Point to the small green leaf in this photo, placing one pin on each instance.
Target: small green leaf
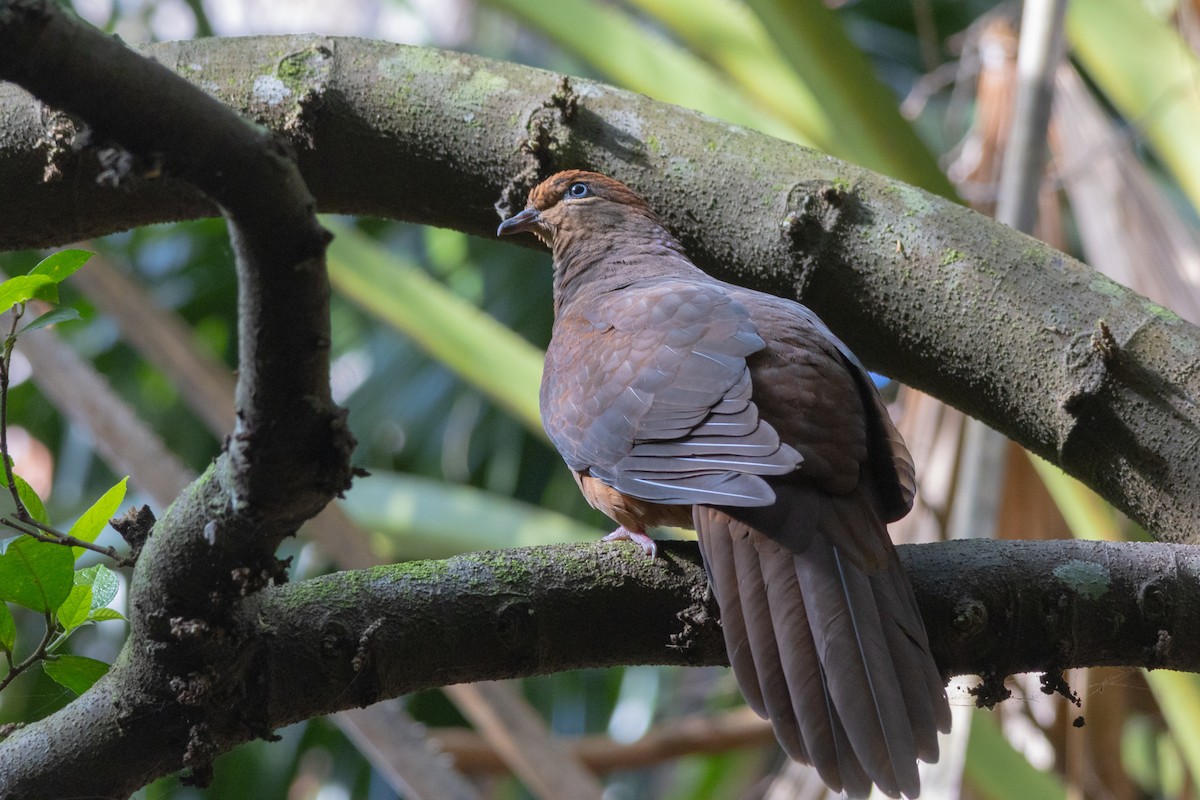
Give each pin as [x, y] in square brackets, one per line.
[77, 673]
[37, 575]
[29, 498]
[53, 317]
[22, 288]
[75, 609]
[59, 266]
[104, 615]
[8, 629]
[103, 581]
[96, 518]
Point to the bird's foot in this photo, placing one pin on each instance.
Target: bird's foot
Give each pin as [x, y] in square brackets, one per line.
[648, 545]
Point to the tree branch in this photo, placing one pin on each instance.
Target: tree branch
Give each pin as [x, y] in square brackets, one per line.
[353, 638]
[183, 668]
[992, 608]
[1074, 367]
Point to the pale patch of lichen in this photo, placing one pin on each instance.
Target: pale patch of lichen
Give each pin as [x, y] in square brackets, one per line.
[951, 256]
[1106, 286]
[1086, 578]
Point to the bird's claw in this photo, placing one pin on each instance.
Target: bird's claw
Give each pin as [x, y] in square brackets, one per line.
[648, 545]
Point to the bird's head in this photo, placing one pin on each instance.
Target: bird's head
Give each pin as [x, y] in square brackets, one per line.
[574, 202]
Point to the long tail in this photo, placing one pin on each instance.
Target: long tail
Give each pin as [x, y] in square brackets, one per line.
[826, 641]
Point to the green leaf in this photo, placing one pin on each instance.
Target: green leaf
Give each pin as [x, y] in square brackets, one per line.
[59, 266]
[8, 629]
[728, 36]
[22, 288]
[77, 673]
[103, 582]
[52, 317]
[29, 498]
[104, 615]
[75, 609]
[96, 518]
[36, 575]
[998, 771]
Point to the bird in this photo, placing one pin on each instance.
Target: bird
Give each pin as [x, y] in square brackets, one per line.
[679, 399]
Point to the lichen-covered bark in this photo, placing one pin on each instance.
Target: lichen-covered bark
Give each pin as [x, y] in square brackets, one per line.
[352, 638]
[1071, 365]
[991, 607]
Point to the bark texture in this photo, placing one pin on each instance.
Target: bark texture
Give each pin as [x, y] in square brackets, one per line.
[352, 638]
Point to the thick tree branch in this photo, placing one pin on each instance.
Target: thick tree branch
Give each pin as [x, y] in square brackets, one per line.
[354, 638]
[182, 671]
[991, 607]
[1071, 365]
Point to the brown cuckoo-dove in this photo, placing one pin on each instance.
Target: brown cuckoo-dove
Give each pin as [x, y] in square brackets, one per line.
[678, 399]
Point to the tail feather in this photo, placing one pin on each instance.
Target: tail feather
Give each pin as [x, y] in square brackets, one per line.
[897, 770]
[767, 672]
[833, 651]
[924, 691]
[805, 681]
[855, 781]
[717, 553]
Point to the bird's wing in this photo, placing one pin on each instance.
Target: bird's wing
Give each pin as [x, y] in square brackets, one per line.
[822, 401]
[648, 390]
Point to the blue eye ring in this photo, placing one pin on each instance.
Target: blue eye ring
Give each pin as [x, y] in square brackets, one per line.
[579, 190]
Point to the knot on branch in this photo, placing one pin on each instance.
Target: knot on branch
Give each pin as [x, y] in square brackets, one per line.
[363, 654]
[185, 629]
[816, 215]
[970, 617]
[1089, 359]
[1160, 653]
[192, 689]
[366, 681]
[201, 750]
[694, 619]
[249, 580]
[305, 75]
[515, 625]
[549, 126]
[287, 474]
[990, 691]
[135, 527]
[1154, 601]
[548, 131]
[59, 144]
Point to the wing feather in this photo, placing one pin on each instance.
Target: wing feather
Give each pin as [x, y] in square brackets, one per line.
[649, 391]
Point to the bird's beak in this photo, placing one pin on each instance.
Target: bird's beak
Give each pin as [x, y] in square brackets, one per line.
[517, 223]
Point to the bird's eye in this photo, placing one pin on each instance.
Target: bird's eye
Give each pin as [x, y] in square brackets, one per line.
[578, 190]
